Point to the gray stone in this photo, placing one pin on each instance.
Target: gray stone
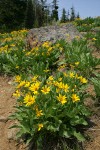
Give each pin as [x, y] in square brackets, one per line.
[96, 29]
[53, 33]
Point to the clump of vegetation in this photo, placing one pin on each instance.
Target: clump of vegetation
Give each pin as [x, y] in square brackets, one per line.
[85, 25]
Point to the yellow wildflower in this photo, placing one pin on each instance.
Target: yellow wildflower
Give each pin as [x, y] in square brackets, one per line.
[51, 78]
[77, 37]
[65, 74]
[57, 45]
[83, 80]
[75, 98]
[22, 83]
[48, 82]
[46, 44]
[17, 78]
[35, 78]
[39, 113]
[59, 79]
[17, 67]
[94, 39]
[16, 94]
[55, 83]
[73, 90]
[71, 75]
[76, 76]
[61, 49]
[77, 63]
[35, 87]
[29, 100]
[27, 84]
[62, 66]
[66, 87]
[60, 85]
[62, 99]
[57, 90]
[28, 53]
[40, 126]
[47, 70]
[50, 49]
[45, 89]
[12, 45]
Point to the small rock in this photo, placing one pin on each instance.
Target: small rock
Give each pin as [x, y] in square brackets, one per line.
[10, 82]
[11, 135]
[3, 119]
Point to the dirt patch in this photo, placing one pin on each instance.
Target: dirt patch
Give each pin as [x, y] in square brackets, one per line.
[93, 133]
[7, 103]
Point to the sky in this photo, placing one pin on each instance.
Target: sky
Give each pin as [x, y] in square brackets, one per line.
[86, 8]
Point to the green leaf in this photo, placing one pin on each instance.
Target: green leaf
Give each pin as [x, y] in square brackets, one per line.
[66, 134]
[62, 62]
[52, 128]
[19, 134]
[78, 120]
[79, 136]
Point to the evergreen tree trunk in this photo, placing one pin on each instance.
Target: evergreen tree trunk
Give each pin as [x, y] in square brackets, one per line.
[55, 10]
[30, 16]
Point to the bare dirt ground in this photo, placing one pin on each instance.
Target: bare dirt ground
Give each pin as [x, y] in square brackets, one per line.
[7, 103]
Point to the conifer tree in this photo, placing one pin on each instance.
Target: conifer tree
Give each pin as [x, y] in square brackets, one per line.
[55, 10]
[29, 18]
[72, 14]
[68, 15]
[78, 15]
[64, 16]
[41, 11]
[12, 13]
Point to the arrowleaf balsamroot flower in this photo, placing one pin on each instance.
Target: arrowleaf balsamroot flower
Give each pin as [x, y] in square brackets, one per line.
[21, 84]
[27, 84]
[51, 78]
[75, 98]
[71, 75]
[40, 126]
[39, 113]
[45, 89]
[16, 94]
[94, 39]
[17, 78]
[63, 86]
[29, 100]
[34, 79]
[66, 87]
[77, 63]
[35, 87]
[83, 80]
[62, 99]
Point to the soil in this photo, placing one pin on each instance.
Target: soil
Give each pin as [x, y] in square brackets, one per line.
[7, 102]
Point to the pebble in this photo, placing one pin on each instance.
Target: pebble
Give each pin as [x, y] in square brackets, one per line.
[11, 134]
[3, 119]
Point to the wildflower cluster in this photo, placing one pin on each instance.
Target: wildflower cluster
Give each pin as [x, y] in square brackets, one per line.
[58, 97]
